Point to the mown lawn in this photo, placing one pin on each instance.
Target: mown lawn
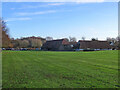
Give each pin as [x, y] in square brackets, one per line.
[40, 69]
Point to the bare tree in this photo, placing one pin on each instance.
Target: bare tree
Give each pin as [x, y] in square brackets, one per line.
[6, 42]
[93, 39]
[118, 38]
[83, 38]
[15, 43]
[24, 43]
[109, 39]
[114, 42]
[36, 43]
[49, 38]
[72, 39]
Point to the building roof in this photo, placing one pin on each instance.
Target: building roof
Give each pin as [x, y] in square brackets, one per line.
[84, 44]
[55, 43]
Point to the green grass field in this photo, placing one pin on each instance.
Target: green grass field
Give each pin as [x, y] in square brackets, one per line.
[40, 69]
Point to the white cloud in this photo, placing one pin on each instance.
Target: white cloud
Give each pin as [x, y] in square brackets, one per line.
[34, 13]
[38, 6]
[81, 1]
[55, 4]
[12, 8]
[17, 19]
[31, 6]
[52, 0]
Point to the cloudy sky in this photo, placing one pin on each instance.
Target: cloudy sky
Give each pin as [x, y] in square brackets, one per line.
[84, 1]
[62, 19]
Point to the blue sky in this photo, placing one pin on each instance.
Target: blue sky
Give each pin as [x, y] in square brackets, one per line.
[61, 20]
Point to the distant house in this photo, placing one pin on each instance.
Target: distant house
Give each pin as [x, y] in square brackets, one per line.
[57, 45]
[94, 44]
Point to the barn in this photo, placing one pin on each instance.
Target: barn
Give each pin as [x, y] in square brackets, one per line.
[94, 44]
[57, 45]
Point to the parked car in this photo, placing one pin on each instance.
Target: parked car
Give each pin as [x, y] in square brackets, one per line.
[8, 49]
[3, 49]
[78, 49]
[23, 49]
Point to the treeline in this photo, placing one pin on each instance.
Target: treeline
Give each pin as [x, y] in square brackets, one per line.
[29, 42]
[37, 42]
[115, 42]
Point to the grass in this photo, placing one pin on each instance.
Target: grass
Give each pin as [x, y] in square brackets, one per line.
[39, 69]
